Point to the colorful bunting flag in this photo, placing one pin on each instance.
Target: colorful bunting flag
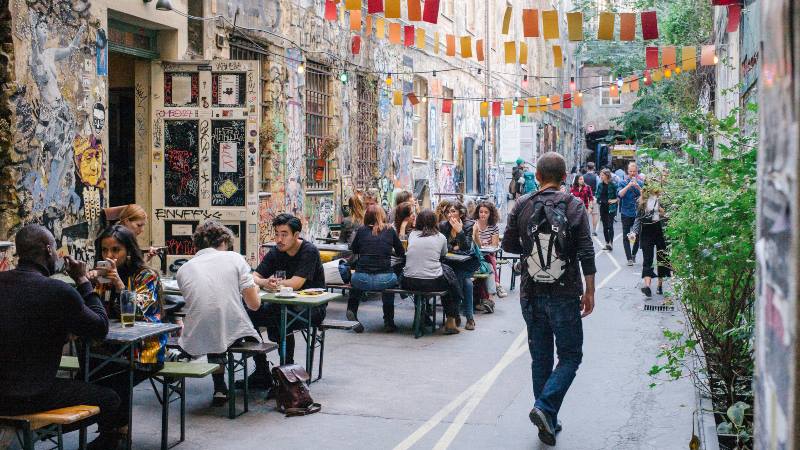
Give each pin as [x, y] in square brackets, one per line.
[368, 26]
[651, 57]
[414, 11]
[511, 52]
[657, 75]
[605, 27]
[352, 5]
[392, 9]
[555, 102]
[724, 2]
[451, 45]
[374, 6]
[634, 84]
[379, 28]
[530, 22]
[523, 53]
[689, 58]
[431, 12]
[484, 107]
[575, 26]
[668, 57]
[550, 24]
[567, 101]
[520, 109]
[397, 98]
[355, 46]
[421, 38]
[508, 108]
[577, 99]
[330, 11]
[412, 97]
[533, 105]
[649, 25]
[558, 59]
[409, 32]
[395, 33]
[626, 86]
[436, 43]
[479, 49]
[627, 26]
[466, 47]
[613, 90]
[544, 103]
[496, 109]
[355, 20]
[447, 106]
[707, 55]
[506, 20]
[734, 16]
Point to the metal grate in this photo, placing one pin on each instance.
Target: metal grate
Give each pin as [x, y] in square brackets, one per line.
[245, 51]
[659, 308]
[367, 133]
[319, 173]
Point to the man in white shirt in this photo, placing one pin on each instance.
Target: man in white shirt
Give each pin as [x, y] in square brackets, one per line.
[213, 284]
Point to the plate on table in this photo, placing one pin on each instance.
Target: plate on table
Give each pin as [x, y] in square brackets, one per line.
[289, 295]
[312, 292]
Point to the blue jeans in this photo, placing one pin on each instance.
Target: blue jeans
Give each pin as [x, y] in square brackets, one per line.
[467, 303]
[548, 319]
[373, 282]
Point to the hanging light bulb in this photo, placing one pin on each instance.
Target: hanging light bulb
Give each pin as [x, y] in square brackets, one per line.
[301, 68]
[424, 99]
[667, 73]
[677, 70]
[479, 71]
[516, 102]
[434, 74]
[620, 82]
[525, 81]
[644, 79]
[571, 83]
[389, 80]
[716, 60]
[580, 94]
[343, 77]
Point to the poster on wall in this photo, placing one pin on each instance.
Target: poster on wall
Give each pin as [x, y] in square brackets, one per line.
[228, 89]
[181, 89]
[227, 163]
[101, 49]
[178, 237]
[181, 167]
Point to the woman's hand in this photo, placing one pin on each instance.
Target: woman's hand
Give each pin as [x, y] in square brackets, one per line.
[113, 275]
[457, 225]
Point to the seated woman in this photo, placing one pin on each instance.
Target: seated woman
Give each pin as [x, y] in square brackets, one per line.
[404, 219]
[356, 218]
[373, 245]
[134, 218]
[117, 245]
[486, 233]
[458, 230]
[213, 284]
[424, 270]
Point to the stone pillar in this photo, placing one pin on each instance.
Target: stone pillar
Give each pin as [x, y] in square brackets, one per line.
[776, 379]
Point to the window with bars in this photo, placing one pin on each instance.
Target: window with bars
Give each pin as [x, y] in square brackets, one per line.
[319, 173]
[367, 133]
[605, 92]
[246, 52]
[421, 119]
[447, 130]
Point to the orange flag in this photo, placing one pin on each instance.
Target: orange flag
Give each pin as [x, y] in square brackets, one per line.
[627, 26]
[550, 24]
[352, 5]
[707, 55]
[511, 52]
[506, 20]
[412, 97]
[577, 100]
[392, 10]
[484, 109]
[605, 27]
[414, 11]
[533, 105]
[530, 22]
[479, 49]
[613, 90]
[555, 102]
[575, 26]
[355, 20]
[520, 108]
[668, 57]
[689, 58]
[558, 58]
[368, 26]
[395, 33]
[379, 28]
[466, 47]
[634, 84]
[451, 45]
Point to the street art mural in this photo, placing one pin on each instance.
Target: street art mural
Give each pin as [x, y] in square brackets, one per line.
[58, 161]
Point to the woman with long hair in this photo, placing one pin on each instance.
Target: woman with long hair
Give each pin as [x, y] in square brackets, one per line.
[424, 270]
[356, 218]
[607, 200]
[441, 210]
[134, 218]
[373, 244]
[649, 226]
[486, 233]
[404, 218]
[128, 272]
[458, 231]
[582, 191]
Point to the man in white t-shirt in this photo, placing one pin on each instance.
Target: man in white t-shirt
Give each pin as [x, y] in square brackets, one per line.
[213, 284]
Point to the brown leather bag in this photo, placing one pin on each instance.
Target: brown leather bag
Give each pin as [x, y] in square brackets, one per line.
[291, 394]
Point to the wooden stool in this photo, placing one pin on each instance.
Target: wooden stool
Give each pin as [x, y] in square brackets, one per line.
[47, 424]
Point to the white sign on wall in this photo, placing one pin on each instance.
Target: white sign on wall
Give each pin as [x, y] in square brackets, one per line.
[509, 148]
[227, 156]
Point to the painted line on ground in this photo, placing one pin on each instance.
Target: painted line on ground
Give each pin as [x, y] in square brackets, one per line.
[514, 349]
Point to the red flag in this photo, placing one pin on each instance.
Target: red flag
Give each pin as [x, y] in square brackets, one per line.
[409, 36]
[374, 6]
[447, 106]
[649, 25]
[414, 11]
[431, 12]
[330, 10]
[496, 106]
[651, 57]
[356, 45]
[412, 97]
[647, 79]
[567, 99]
[734, 16]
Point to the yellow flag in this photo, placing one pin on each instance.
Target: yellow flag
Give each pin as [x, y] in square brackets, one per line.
[511, 52]
[392, 10]
[352, 5]
[523, 53]
[466, 47]
[398, 98]
[689, 58]
[508, 108]
[544, 103]
[379, 30]
[420, 38]
[575, 26]
[484, 109]
[558, 59]
[550, 24]
[506, 20]
[657, 75]
[533, 105]
[436, 43]
[605, 28]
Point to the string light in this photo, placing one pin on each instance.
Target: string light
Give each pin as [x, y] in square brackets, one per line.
[620, 82]
[571, 83]
[343, 77]
[667, 73]
[301, 68]
[716, 60]
[677, 70]
[434, 74]
[424, 99]
[389, 80]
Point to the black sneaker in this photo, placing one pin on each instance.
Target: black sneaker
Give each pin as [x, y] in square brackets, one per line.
[558, 427]
[630, 262]
[220, 398]
[660, 290]
[594, 233]
[352, 317]
[646, 291]
[389, 327]
[546, 432]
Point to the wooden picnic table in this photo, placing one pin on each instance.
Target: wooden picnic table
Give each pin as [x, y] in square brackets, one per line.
[290, 316]
[456, 257]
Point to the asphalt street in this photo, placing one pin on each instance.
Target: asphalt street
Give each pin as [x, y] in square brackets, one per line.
[472, 390]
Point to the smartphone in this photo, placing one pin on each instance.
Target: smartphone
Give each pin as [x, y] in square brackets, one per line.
[102, 269]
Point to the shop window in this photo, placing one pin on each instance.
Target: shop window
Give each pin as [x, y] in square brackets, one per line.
[367, 133]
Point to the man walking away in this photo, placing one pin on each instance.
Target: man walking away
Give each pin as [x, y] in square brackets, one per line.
[629, 193]
[552, 297]
[591, 180]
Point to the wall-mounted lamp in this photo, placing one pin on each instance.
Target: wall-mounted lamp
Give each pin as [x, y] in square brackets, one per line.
[163, 5]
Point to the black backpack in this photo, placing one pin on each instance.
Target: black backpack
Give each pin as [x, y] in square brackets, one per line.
[549, 233]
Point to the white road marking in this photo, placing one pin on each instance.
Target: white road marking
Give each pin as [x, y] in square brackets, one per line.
[513, 352]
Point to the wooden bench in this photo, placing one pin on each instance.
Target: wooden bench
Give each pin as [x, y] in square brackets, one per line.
[46, 425]
[245, 350]
[343, 288]
[422, 308]
[319, 338]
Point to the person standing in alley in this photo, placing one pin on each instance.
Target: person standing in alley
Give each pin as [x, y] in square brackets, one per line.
[517, 184]
[591, 180]
[629, 193]
[552, 296]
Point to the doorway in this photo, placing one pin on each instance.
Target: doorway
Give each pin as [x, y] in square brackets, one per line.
[121, 165]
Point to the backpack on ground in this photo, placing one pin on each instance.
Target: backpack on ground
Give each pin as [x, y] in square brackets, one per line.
[548, 231]
[291, 394]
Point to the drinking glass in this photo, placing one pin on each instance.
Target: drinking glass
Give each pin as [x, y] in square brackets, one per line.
[127, 307]
[279, 276]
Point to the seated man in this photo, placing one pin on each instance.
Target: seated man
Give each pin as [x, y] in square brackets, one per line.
[213, 284]
[300, 260]
[40, 314]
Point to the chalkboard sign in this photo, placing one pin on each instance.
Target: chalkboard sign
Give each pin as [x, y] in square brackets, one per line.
[227, 163]
[180, 164]
[178, 237]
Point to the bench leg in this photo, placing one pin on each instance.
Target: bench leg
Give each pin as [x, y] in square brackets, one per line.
[28, 442]
[321, 351]
[231, 387]
[312, 346]
[60, 437]
[417, 316]
[513, 278]
[246, 387]
[182, 387]
[82, 438]
[165, 395]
